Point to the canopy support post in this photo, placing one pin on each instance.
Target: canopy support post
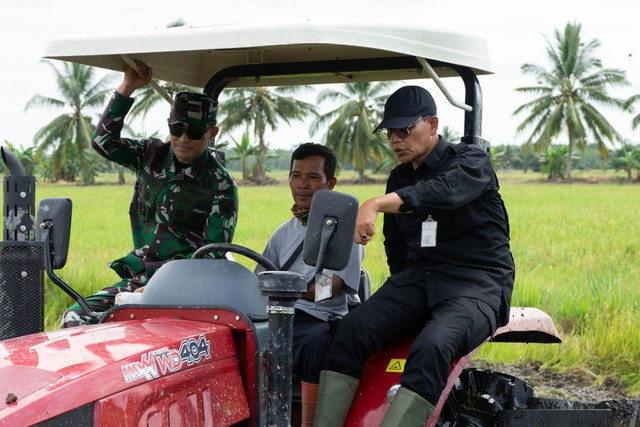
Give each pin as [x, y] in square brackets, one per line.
[441, 85]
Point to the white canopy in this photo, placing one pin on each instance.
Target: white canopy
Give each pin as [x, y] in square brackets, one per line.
[192, 55]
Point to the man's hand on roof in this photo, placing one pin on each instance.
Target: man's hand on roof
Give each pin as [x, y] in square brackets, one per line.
[134, 79]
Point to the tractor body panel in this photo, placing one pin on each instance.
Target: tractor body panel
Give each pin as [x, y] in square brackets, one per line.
[384, 368]
[129, 365]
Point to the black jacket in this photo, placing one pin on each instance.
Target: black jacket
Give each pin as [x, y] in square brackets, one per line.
[458, 188]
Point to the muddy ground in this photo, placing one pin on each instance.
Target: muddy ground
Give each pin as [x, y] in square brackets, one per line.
[575, 385]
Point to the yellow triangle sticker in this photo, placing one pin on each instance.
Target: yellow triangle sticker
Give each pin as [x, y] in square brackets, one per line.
[396, 365]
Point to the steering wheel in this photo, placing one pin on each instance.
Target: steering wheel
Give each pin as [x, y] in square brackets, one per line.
[236, 249]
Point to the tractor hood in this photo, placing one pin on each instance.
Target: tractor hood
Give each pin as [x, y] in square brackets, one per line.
[51, 373]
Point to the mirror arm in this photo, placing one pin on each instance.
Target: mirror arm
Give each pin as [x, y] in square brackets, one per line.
[46, 226]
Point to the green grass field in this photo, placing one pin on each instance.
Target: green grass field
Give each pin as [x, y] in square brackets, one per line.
[576, 247]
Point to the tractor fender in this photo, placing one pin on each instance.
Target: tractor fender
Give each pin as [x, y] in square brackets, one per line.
[382, 371]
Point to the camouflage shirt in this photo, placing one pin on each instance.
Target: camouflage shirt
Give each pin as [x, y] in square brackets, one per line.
[173, 212]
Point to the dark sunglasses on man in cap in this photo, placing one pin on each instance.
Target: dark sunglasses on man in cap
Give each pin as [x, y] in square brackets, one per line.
[401, 133]
[177, 129]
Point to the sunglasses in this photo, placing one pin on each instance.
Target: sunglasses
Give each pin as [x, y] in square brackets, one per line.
[177, 129]
[401, 133]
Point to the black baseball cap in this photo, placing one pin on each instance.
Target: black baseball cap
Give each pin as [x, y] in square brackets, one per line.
[405, 106]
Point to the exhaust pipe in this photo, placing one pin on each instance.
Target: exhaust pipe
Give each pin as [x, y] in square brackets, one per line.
[19, 200]
[12, 162]
[21, 257]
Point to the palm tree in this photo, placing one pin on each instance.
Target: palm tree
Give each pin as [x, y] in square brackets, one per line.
[72, 128]
[243, 150]
[450, 135]
[25, 155]
[147, 97]
[627, 159]
[389, 159]
[554, 161]
[350, 133]
[506, 157]
[567, 94]
[636, 120]
[262, 107]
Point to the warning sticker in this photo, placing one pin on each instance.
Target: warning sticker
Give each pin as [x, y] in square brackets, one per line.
[396, 365]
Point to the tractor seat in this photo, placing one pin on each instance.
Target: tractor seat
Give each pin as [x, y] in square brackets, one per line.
[528, 324]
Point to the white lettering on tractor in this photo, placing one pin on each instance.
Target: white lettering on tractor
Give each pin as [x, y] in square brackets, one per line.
[159, 362]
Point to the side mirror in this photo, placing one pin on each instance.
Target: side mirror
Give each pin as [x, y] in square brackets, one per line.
[330, 228]
[54, 214]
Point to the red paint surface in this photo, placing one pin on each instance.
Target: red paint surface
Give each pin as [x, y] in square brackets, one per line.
[241, 333]
[89, 360]
[208, 395]
[370, 402]
[83, 365]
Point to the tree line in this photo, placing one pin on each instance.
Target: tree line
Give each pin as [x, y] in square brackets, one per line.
[562, 117]
[504, 157]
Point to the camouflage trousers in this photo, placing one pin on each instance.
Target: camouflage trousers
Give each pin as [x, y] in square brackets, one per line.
[101, 301]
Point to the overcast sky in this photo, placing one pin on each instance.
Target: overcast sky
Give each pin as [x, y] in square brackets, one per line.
[514, 30]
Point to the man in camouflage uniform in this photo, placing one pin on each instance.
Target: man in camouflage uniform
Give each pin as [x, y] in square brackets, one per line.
[183, 198]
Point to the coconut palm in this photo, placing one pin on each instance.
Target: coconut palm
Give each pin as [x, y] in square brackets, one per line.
[350, 126]
[262, 108]
[568, 92]
[627, 159]
[449, 134]
[506, 156]
[147, 97]
[73, 127]
[635, 122]
[554, 161]
[243, 150]
[25, 155]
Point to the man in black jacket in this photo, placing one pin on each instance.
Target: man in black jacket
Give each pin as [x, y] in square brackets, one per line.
[447, 243]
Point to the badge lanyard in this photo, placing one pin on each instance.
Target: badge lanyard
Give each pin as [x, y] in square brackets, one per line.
[429, 231]
[323, 287]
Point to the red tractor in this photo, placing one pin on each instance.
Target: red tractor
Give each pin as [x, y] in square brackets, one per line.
[218, 351]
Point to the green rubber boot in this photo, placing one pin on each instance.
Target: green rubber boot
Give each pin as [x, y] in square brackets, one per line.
[335, 395]
[407, 409]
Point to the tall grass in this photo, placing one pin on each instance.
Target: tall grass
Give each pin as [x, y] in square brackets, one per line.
[576, 247]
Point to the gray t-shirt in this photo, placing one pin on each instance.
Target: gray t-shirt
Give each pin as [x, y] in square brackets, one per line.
[282, 245]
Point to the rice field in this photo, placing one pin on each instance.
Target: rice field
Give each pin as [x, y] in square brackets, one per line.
[576, 248]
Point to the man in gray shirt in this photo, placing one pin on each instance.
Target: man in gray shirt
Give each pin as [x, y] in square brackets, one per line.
[312, 168]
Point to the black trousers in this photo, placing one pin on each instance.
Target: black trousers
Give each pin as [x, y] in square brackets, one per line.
[446, 331]
[311, 338]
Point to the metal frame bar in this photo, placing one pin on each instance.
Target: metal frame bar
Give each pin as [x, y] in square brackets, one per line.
[163, 93]
[442, 87]
[473, 97]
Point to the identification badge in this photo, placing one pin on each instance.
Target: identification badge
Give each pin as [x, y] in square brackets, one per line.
[323, 287]
[429, 230]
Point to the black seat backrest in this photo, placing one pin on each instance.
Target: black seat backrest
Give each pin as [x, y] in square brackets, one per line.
[364, 290]
[364, 287]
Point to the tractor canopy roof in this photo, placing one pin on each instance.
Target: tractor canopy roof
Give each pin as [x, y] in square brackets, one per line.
[308, 52]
